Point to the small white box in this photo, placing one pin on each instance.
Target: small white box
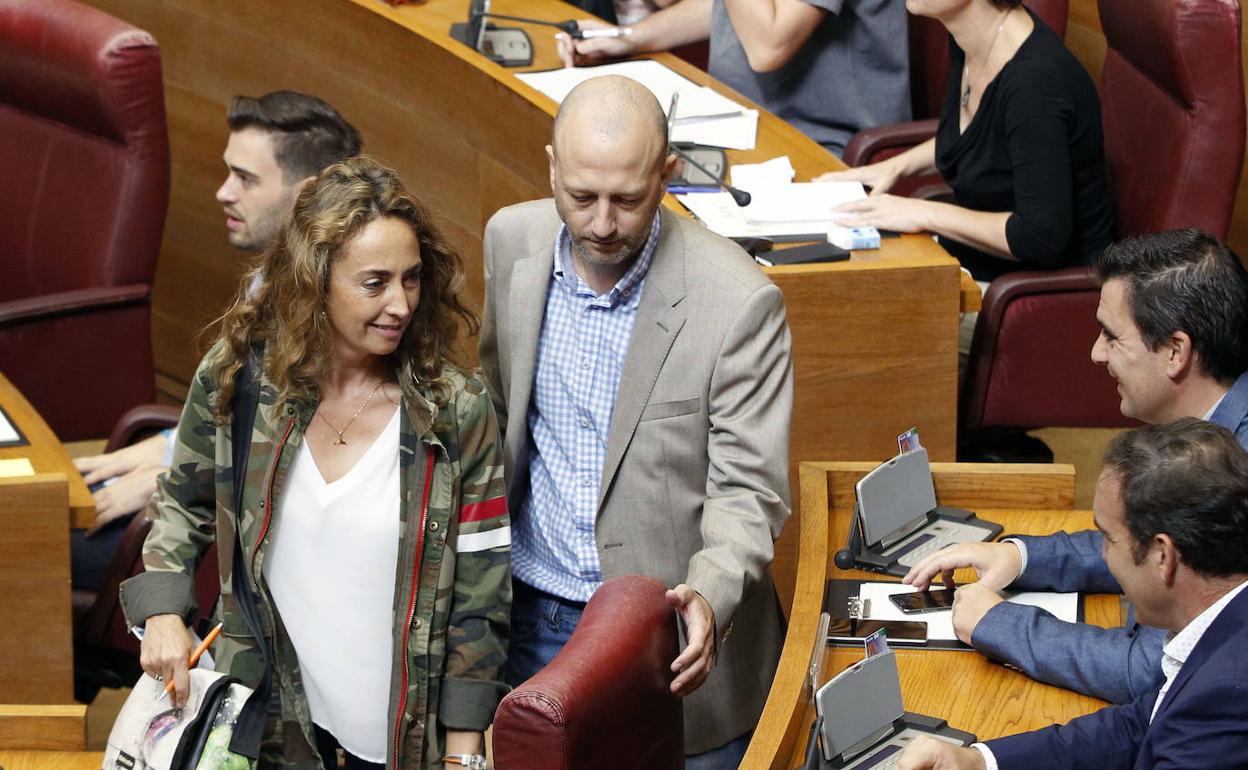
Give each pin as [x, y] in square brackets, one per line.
[853, 238]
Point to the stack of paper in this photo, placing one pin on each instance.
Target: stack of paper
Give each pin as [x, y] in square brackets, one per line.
[779, 211]
[703, 116]
[940, 623]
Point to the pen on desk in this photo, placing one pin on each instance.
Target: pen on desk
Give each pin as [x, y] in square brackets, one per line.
[609, 32]
[200, 650]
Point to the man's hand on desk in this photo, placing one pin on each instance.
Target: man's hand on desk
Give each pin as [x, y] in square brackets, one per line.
[930, 754]
[594, 50]
[970, 603]
[997, 564]
[694, 664]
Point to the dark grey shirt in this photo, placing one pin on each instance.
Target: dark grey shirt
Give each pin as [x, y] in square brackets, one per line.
[853, 72]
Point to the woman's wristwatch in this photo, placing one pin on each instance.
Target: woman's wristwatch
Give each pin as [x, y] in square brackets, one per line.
[470, 761]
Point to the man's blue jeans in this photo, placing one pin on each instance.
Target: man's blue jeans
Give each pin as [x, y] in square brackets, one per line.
[541, 624]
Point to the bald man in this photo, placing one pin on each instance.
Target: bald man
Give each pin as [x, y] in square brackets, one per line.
[641, 371]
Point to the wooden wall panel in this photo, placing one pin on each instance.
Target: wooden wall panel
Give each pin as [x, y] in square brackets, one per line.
[36, 650]
[463, 165]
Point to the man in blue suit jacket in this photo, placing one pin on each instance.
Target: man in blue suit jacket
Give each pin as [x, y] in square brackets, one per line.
[1174, 335]
[1172, 507]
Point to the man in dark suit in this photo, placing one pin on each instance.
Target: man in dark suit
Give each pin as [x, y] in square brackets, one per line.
[1174, 335]
[1172, 507]
[641, 371]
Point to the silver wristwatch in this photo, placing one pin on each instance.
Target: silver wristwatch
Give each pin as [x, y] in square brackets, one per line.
[470, 761]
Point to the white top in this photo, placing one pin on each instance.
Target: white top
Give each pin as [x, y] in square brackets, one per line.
[331, 566]
[1173, 656]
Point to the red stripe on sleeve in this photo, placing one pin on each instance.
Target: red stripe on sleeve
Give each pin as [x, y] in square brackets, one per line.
[483, 510]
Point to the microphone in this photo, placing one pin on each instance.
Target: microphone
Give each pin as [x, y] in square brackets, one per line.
[739, 196]
[570, 26]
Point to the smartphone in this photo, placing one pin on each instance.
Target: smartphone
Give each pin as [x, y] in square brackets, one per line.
[898, 631]
[924, 601]
[798, 255]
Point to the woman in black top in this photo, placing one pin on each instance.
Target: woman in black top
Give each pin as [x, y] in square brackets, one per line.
[1019, 142]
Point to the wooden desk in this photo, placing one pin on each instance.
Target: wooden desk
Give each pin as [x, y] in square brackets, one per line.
[51, 760]
[45, 452]
[36, 628]
[988, 700]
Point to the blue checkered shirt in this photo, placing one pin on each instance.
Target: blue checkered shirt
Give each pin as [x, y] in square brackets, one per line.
[580, 357]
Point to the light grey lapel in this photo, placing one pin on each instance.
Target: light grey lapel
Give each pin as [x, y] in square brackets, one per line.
[526, 307]
[659, 319]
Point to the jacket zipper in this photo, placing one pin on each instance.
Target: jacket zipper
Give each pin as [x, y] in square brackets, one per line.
[411, 603]
[268, 501]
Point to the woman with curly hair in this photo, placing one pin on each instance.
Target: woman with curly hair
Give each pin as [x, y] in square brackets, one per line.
[373, 522]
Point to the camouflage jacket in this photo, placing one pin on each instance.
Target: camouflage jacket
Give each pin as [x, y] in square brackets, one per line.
[451, 605]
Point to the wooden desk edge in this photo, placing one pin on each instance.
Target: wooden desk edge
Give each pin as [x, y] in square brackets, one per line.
[52, 457]
[52, 727]
[781, 725]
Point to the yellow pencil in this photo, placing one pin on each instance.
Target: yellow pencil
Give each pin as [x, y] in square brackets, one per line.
[200, 650]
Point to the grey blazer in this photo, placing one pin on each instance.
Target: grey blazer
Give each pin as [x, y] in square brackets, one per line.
[695, 480]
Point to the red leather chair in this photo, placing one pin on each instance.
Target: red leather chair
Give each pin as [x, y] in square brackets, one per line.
[603, 702]
[929, 74]
[1172, 98]
[85, 151]
[105, 652]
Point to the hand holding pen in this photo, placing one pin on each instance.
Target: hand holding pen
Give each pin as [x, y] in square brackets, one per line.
[597, 40]
[199, 651]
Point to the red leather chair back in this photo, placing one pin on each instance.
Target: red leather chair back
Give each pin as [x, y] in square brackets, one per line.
[1029, 364]
[84, 148]
[1172, 96]
[929, 55]
[603, 702]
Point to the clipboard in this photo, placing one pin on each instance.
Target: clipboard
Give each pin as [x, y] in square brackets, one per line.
[840, 600]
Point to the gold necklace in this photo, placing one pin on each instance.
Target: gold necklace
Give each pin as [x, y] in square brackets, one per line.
[358, 412]
[966, 76]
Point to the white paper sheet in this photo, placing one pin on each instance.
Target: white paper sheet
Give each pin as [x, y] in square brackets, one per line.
[940, 624]
[8, 433]
[739, 132]
[695, 100]
[803, 202]
[722, 215]
[775, 171]
[703, 116]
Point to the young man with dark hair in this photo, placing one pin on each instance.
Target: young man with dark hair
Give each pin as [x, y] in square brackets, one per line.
[1172, 508]
[277, 143]
[1174, 334]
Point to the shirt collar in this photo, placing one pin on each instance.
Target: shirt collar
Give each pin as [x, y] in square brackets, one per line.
[1209, 414]
[1174, 654]
[624, 288]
